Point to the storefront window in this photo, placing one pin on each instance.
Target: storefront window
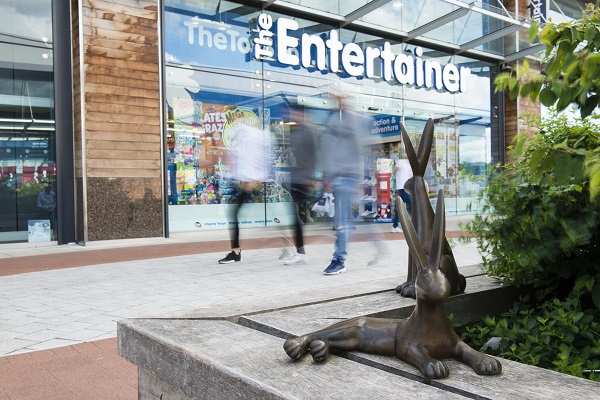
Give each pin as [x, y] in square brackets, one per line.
[27, 136]
[214, 82]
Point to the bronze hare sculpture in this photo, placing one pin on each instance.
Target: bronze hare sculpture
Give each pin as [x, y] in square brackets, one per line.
[422, 216]
[424, 338]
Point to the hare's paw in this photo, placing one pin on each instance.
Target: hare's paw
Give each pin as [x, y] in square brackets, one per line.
[319, 350]
[435, 369]
[409, 291]
[487, 366]
[296, 347]
[401, 287]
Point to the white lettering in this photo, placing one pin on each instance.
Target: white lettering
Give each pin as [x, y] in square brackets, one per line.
[388, 57]
[450, 77]
[316, 51]
[335, 46]
[233, 38]
[464, 72]
[353, 59]
[433, 74]
[419, 73]
[191, 25]
[243, 45]
[284, 41]
[404, 69]
[220, 41]
[265, 21]
[263, 44]
[202, 34]
[308, 44]
[371, 53]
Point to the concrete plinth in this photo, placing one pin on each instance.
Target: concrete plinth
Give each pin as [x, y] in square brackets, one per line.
[241, 356]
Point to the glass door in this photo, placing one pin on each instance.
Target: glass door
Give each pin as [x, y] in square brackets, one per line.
[27, 133]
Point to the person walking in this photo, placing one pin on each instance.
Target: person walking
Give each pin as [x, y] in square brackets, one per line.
[252, 150]
[302, 143]
[343, 167]
[403, 173]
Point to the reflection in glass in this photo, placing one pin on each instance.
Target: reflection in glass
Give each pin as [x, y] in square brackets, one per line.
[208, 89]
[27, 156]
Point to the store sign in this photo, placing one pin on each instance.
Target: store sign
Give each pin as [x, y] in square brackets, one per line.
[385, 125]
[538, 10]
[275, 41]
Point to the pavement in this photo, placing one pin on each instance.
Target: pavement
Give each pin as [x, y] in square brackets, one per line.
[60, 304]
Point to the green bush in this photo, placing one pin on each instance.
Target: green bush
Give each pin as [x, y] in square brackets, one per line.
[539, 225]
[556, 335]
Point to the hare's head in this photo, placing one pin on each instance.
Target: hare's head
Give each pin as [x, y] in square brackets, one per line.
[431, 284]
[418, 160]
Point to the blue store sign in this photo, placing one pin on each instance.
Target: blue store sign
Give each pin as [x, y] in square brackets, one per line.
[385, 125]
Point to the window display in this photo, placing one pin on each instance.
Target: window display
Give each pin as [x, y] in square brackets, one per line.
[215, 84]
[202, 154]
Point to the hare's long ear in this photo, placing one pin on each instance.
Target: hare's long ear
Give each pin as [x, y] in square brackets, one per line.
[412, 239]
[439, 230]
[410, 151]
[425, 146]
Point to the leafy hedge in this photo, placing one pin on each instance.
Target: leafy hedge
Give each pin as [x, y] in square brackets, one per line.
[556, 335]
[539, 225]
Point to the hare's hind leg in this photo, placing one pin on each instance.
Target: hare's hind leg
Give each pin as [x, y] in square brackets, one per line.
[407, 289]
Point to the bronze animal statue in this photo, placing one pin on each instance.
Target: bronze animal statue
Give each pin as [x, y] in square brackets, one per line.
[422, 216]
[424, 338]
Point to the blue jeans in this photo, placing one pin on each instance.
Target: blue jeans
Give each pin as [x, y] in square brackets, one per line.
[406, 199]
[343, 191]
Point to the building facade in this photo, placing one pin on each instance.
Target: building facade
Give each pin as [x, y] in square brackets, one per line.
[118, 117]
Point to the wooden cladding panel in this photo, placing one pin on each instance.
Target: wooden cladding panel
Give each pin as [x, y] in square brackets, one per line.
[105, 172]
[122, 109]
[115, 108]
[78, 170]
[106, 10]
[92, 98]
[120, 30]
[109, 82]
[123, 129]
[122, 72]
[141, 146]
[122, 137]
[124, 164]
[122, 118]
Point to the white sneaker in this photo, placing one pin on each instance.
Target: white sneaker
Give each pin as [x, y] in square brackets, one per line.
[297, 258]
[285, 254]
[396, 230]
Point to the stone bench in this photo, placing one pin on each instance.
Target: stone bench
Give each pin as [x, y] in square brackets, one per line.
[241, 356]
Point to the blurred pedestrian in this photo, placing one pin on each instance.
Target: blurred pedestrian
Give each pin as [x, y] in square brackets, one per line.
[403, 173]
[343, 167]
[302, 144]
[253, 164]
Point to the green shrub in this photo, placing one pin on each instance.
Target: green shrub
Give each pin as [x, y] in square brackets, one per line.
[556, 335]
[539, 226]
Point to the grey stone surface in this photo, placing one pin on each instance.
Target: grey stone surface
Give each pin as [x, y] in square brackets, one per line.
[484, 296]
[242, 356]
[221, 360]
[151, 388]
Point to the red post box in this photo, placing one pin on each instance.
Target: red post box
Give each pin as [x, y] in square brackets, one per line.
[383, 194]
[383, 187]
